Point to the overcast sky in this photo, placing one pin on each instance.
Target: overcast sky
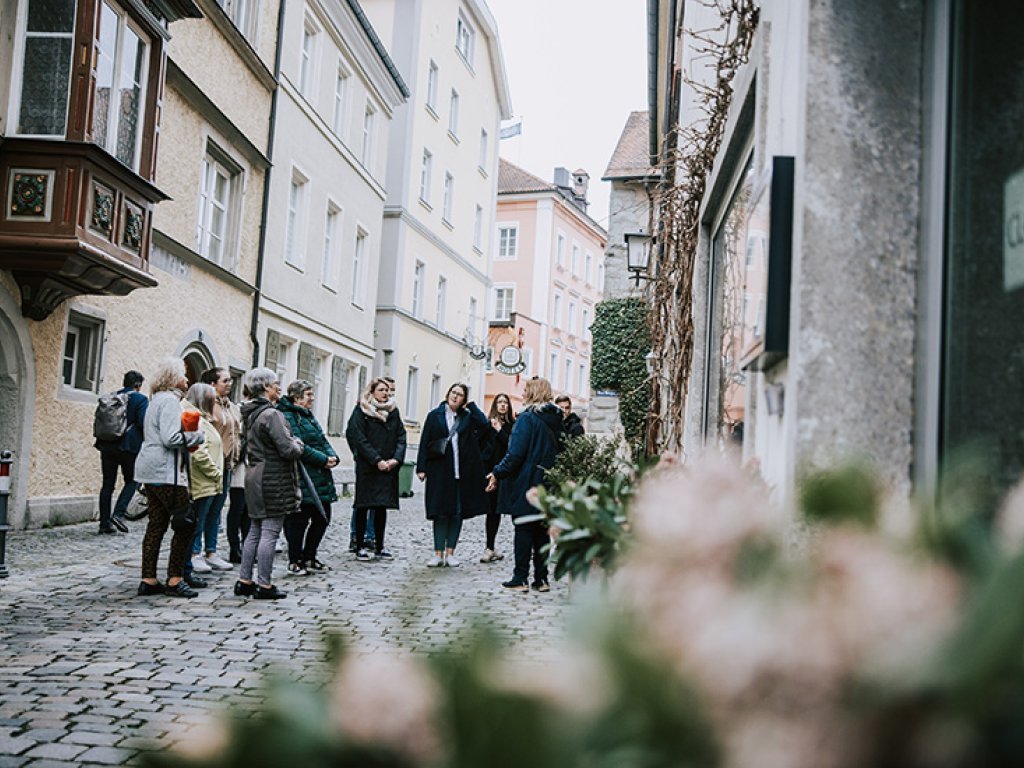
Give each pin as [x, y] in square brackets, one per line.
[576, 69]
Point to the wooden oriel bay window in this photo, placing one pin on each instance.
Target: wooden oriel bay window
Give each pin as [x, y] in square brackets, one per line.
[78, 145]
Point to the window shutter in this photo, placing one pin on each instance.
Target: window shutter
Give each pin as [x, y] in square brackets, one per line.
[272, 351]
[307, 363]
[339, 395]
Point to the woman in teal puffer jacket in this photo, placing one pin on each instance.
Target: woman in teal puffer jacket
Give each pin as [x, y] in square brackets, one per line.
[304, 531]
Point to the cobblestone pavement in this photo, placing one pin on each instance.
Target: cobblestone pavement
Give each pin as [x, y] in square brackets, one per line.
[91, 675]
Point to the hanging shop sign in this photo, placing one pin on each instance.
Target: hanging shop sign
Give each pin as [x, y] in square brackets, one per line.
[511, 361]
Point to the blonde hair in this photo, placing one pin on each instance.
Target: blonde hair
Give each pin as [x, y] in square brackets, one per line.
[537, 391]
[374, 383]
[167, 375]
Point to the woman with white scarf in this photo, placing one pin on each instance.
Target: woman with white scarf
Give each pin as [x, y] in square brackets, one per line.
[376, 436]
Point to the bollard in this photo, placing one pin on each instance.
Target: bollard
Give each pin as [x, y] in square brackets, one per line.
[5, 492]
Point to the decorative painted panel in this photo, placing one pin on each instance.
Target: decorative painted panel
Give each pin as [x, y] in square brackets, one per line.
[31, 192]
[102, 219]
[133, 219]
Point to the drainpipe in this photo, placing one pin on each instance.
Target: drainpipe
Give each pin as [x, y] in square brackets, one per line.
[261, 253]
[652, 79]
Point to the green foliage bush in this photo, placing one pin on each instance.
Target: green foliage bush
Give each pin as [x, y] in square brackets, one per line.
[583, 458]
[621, 341]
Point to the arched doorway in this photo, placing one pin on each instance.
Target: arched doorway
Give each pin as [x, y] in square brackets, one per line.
[197, 359]
[17, 401]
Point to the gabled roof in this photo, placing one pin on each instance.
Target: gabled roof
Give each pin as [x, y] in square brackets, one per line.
[514, 180]
[631, 160]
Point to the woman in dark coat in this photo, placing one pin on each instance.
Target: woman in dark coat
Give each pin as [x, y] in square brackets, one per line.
[454, 446]
[376, 436]
[532, 450]
[271, 482]
[502, 419]
[305, 530]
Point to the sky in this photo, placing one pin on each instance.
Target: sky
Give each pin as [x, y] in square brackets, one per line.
[576, 69]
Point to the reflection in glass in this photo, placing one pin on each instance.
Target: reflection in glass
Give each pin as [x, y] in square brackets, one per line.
[46, 68]
[133, 66]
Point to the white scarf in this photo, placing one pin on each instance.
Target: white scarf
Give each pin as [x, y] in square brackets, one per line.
[376, 410]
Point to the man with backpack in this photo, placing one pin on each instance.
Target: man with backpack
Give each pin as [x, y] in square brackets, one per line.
[117, 427]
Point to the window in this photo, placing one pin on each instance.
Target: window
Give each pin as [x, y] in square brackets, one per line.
[503, 303]
[575, 259]
[358, 260]
[293, 251]
[217, 209]
[528, 360]
[449, 193]
[556, 311]
[571, 325]
[328, 267]
[275, 355]
[425, 170]
[485, 151]
[471, 328]
[583, 387]
[588, 266]
[600, 275]
[464, 39]
[369, 119]
[307, 61]
[122, 55]
[560, 251]
[442, 295]
[337, 412]
[83, 347]
[340, 95]
[568, 375]
[243, 13]
[435, 389]
[417, 289]
[478, 228]
[46, 68]
[508, 241]
[453, 114]
[411, 383]
[432, 77]
[553, 371]
[585, 329]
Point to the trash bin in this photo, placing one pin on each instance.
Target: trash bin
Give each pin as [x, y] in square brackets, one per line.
[405, 479]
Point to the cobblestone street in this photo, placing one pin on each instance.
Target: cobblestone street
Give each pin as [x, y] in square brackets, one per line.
[90, 674]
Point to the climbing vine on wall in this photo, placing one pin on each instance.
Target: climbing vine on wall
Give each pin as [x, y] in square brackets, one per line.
[687, 159]
[621, 341]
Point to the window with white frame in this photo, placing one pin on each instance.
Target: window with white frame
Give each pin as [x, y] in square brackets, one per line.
[276, 353]
[560, 250]
[432, 79]
[465, 37]
[426, 168]
[508, 241]
[340, 99]
[528, 360]
[588, 266]
[600, 275]
[453, 114]
[568, 375]
[294, 251]
[478, 228]
[449, 195]
[553, 370]
[584, 385]
[329, 263]
[46, 68]
[418, 276]
[556, 311]
[369, 126]
[307, 60]
[483, 162]
[412, 381]
[83, 352]
[122, 57]
[216, 221]
[358, 264]
[435, 389]
[585, 325]
[571, 324]
[442, 298]
[575, 259]
[244, 13]
[504, 301]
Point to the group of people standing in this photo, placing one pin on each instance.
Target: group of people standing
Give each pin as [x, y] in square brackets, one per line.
[193, 449]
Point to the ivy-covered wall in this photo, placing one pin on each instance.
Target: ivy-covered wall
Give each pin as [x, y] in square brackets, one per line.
[621, 341]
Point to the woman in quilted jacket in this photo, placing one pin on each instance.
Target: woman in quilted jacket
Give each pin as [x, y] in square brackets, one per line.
[305, 530]
[206, 474]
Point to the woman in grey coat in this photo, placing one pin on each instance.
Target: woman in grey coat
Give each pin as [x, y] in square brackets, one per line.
[160, 467]
[270, 453]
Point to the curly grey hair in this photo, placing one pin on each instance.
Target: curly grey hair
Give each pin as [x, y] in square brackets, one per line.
[167, 375]
[297, 388]
[258, 379]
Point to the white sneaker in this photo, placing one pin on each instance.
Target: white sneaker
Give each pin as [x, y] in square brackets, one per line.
[487, 556]
[452, 561]
[199, 564]
[218, 563]
[435, 562]
[279, 547]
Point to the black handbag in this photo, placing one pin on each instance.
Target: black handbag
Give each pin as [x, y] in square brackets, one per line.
[436, 449]
[184, 519]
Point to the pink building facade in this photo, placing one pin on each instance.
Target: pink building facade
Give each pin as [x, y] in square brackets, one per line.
[547, 277]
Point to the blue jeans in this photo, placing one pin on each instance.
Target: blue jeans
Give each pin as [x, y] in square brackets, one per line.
[370, 533]
[208, 524]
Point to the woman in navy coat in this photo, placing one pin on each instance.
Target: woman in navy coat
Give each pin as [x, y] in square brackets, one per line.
[454, 446]
[532, 450]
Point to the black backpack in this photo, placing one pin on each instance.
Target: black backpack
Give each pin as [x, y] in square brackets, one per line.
[110, 421]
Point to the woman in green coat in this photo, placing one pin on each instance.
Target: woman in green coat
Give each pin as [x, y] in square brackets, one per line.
[305, 530]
